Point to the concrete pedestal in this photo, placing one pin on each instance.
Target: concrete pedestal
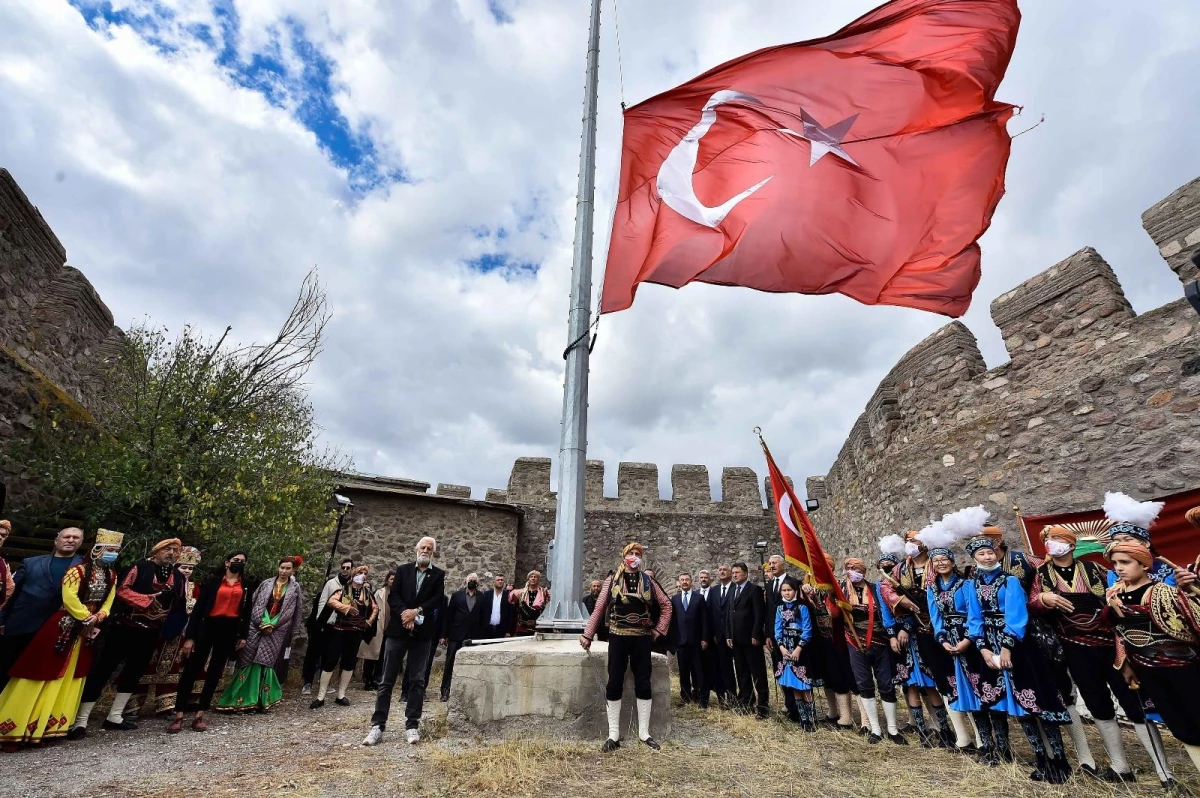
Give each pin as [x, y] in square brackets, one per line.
[551, 688]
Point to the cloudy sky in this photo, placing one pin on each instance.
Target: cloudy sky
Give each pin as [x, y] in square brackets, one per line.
[198, 157]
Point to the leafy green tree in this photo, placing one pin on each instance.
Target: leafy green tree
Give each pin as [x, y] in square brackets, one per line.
[199, 440]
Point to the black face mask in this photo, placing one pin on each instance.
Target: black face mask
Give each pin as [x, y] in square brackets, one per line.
[237, 567]
[472, 585]
[344, 578]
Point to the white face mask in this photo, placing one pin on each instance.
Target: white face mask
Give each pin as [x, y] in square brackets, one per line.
[988, 568]
[855, 576]
[1056, 548]
[912, 549]
[359, 579]
[633, 562]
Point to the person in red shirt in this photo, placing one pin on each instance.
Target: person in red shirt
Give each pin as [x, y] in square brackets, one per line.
[217, 628]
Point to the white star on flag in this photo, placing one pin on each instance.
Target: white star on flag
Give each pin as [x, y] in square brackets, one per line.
[823, 140]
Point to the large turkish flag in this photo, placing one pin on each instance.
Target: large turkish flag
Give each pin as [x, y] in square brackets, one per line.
[867, 163]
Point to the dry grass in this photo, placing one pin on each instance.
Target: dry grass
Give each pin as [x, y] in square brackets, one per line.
[720, 753]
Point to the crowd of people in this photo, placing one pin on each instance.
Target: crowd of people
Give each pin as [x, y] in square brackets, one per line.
[967, 632]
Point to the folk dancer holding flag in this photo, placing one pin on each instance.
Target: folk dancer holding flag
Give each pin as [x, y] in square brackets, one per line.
[869, 630]
[633, 596]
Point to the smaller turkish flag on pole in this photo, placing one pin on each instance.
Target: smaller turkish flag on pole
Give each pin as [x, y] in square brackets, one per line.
[866, 163]
[801, 547]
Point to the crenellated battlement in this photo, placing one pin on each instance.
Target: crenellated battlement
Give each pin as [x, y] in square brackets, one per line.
[1093, 398]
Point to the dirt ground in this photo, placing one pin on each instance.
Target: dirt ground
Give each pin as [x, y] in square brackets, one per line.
[294, 751]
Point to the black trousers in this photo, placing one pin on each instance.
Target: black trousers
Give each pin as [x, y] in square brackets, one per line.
[395, 651]
[728, 680]
[689, 657]
[871, 667]
[751, 668]
[341, 648]
[132, 645]
[710, 663]
[406, 680]
[312, 655]
[452, 648]
[1173, 693]
[490, 632]
[11, 648]
[369, 670]
[628, 652]
[1092, 671]
[216, 645]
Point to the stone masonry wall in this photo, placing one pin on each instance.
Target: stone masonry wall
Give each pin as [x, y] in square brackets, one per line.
[1094, 398]
[687, 532]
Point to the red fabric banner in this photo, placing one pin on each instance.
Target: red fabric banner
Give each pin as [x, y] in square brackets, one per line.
[1172, 535]
[867, 163]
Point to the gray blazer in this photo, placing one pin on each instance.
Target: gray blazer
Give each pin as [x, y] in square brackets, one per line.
[37, 596]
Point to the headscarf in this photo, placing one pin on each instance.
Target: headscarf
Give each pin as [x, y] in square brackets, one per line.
[854, 562]
[888, 557]
[162, 544]
[1135, 550]
[941, 551]
[1061, 532]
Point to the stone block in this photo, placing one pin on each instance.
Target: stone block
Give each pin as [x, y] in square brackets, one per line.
[497, 495]
[454, 491]
[637, 486]
[690, 489]
[529, 482]
[593, 484]
[739, 491]
[1174, 224]
[551, 688]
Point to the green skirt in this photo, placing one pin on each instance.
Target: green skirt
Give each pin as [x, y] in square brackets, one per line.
[254, 687]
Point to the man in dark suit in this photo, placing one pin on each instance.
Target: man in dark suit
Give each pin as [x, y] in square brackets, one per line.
[714, 622]
[744, 618]
[493, 613]
[417, 593]
[725, 684]
[458, 626]
[36, 596]
[689, 633]
[777, 577]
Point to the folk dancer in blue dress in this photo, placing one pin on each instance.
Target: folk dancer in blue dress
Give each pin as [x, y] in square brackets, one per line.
[869, 633]
[949, 600]
[793, 634]
[1018, 682]
[923, 664]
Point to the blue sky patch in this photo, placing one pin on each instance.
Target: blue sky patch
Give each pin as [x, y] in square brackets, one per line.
[499, 12]
[499, 261]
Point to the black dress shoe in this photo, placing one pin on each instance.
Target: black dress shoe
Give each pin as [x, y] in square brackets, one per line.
[1114, 777]
[652, 744]
[609, 746]
[342, 702]
[124, 725]
[445, 696]
[874, 739]
[316, 704]
[898, 738]
[77, 733]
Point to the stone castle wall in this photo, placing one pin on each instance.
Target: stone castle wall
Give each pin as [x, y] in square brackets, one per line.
[1094, 398]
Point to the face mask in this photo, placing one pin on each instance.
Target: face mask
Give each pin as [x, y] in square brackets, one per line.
[237, 567]
[109, 557]
[912, 549]
[1056, 548]
[989, 568]
[472, 585]
[633, 562]
[855, 576]
[359, 578]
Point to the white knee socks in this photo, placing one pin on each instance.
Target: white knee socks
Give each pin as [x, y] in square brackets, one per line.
[871, 710]
[889, 712]
[843, 705]
[862, 713]
[81, 717]
[344, 683]
[1147, 734]
[831, 702]
[643, 710]
[962, 738]
[118, 707]
[325, 677]
[1083, 751]
[1110, 733]
[1193, 752]
[614, 720]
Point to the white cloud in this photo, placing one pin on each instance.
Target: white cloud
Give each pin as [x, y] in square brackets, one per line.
[186, 197]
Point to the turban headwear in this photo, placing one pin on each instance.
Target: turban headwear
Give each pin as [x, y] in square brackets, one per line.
[1060, 532]
[6, 524]
[163, 544]
[911, 535]
[1193, 517]
[854, 562]
[1134, 550]
[635, 546]
[994, 532]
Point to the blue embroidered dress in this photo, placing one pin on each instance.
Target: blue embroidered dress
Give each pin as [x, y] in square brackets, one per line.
[793, 627]
[949, 604]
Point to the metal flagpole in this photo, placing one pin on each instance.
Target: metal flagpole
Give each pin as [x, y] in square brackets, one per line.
[566, 558]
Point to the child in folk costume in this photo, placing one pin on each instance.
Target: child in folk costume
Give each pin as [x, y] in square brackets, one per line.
[1131, 523]
[869, 633]
[1158, 640]
[793, 633]
[949, 604]
[1018, 681]
[42, 696]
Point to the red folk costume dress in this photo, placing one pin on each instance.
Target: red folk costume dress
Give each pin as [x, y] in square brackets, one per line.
[42, 696]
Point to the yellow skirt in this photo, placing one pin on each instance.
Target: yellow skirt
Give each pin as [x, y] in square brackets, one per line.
[32, 711]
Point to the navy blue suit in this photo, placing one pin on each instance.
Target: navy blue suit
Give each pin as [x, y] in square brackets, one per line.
[688, 629]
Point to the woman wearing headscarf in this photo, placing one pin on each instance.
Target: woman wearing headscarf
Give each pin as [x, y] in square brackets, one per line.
[274, 615]
[1017, 681]
[949, 600]
[1158, 640]
[531, 601]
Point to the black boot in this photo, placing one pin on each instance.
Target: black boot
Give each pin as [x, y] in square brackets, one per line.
[1000, 730]
[987, 751]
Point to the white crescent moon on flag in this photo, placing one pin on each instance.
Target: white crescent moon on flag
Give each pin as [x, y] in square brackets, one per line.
[785, 513]
[675, 185]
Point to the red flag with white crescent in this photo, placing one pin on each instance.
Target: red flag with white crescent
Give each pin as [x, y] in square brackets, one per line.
[866, 163]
